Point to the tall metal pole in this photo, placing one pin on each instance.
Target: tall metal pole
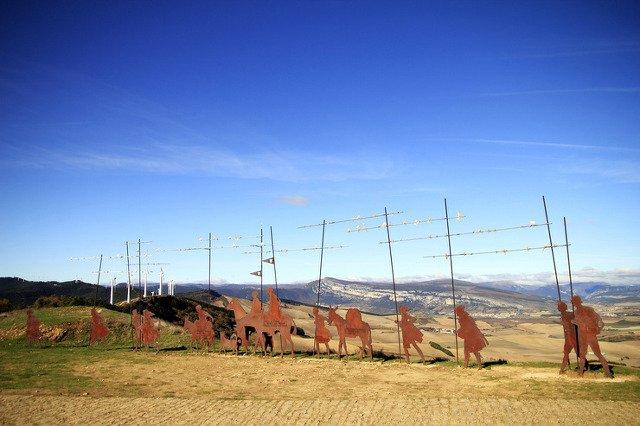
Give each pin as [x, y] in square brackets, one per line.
[113, 284]
[553, 255]
[139, 265]
[261, 280]
[273, 255]
[209, 261]
[324, 224]
[453, 287]
[566, 243]
[393, 278]
[95, 298]
[146, 281]
[128, 274]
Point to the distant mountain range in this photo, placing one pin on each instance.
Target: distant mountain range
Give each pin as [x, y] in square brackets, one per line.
[494, 299]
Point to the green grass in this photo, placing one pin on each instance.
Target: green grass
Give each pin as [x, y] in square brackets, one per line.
[60, 367]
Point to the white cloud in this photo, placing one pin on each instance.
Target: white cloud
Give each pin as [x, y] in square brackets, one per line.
[294, 200]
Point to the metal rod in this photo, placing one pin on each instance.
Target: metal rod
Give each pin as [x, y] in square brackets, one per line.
[209, 261]
[324, 225]
[393, 280]
[575, 326]
[503, 251]
[261, 279]
[458, 234]
[553, 254]
[139, 265]
[453, 287]
[113, 283]
[273, 256]
[95, 298]
[128, 274]
[355, 218]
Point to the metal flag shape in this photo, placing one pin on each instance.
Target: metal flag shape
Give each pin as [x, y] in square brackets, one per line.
[257, 273]
[270, 260]
[351, 326]
[99, 331]
[474, 340]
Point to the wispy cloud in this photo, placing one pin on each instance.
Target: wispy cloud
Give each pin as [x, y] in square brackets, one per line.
[547, 144]
[294, 200]
[584, 275]
[615, 276]
[284, 165]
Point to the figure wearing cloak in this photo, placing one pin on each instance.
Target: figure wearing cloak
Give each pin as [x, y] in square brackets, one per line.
[99, 331]
[570, 337]
[474, 340]
[589, 326]
[33, 327]
[410, 333]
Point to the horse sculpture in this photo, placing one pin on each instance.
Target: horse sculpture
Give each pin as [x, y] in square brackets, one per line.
[264, 324]
[202, 329]
[352, 326]
[246, 324]
[233, 343]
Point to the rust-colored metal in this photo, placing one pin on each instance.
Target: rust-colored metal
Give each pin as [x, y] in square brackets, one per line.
[33, 327]
[232, 343]
[99, 331]
[351, 326]
[474, 340]
[570, 341]
[275, 321]
[136, 323]
[410, 333]
[246, 324]
[322, 333]
[149, 329]
[589, 326]
[202, 329]
[264, 324]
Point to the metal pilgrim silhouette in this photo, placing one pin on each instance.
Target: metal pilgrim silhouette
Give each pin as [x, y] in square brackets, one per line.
[474, 340]
[410, 333]
[99, 331]
[589, 326]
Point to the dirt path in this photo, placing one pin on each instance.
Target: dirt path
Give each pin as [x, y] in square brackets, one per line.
[118, 410]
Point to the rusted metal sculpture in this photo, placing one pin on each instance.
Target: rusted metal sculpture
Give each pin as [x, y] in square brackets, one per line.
[351, 326]
[276, 321]
[33, 327]
[248, 323]
[570, 342]
[322, 333]
[149, 329]
[264, 325]
[99, 331]
[202, 329]
[136, 323]
[410, 333]
[474, 340]
[589, 326]
[233, 343]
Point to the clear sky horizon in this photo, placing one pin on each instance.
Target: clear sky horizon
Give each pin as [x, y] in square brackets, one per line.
[166, 121]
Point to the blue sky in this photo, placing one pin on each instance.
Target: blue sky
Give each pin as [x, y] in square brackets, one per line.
[166, 121]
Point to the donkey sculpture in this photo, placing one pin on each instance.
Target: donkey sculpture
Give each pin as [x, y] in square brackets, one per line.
[352, 326]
